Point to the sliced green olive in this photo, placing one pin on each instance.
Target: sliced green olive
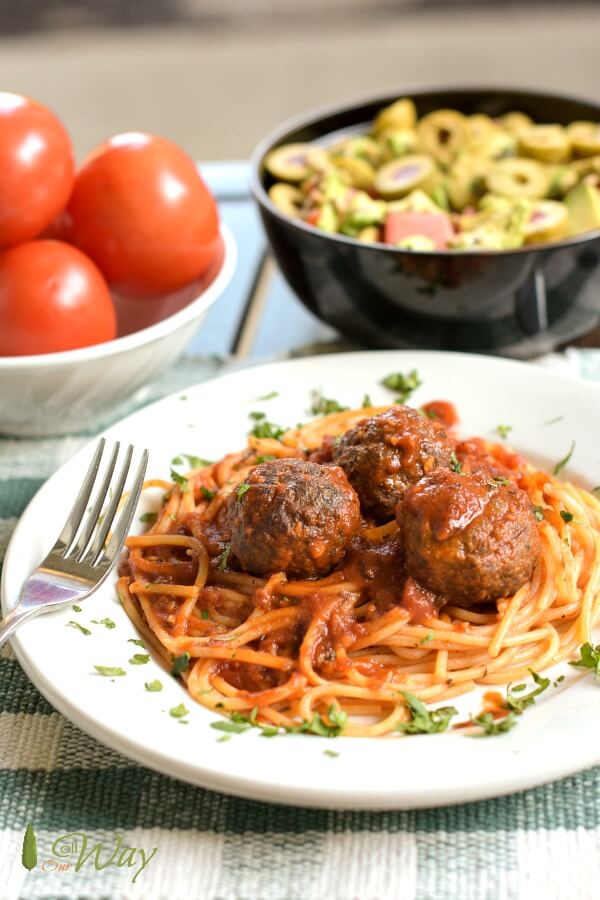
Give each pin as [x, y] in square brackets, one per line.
[287, 198]
[466, 180]
[360, 172]
[518, 177]
[401, 114]
[590, 165]
[548, 143]
[362, 147]
[480, 129]
[398, 143]
[293, 162]
[515, 121]
[328, 218]
[585, 138]
[548, 221]
[561, 180]
[401, 176]
[442, 134]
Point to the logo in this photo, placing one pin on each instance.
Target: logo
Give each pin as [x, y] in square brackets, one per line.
[81, 848]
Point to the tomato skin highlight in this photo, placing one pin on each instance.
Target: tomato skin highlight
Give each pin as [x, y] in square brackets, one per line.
[37, 168]
[142, 212]
[52, 298]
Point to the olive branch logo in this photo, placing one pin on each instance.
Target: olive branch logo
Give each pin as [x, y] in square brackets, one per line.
[29, 853]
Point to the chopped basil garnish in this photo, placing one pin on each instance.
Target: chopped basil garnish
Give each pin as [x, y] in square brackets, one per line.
[196, 462]
[503, 431]
[79, 627]
[153, 686]
[455, 465]
[180, 480]
[563, 462]
[204, 614]
[206, 493]
[403, 385]
[242, 489]
[566, 516]
[427, 638]
[589, 658]
[366, 401]
[230, 727]
[224, 557]
[268, 396]
[490, 726]
[257, 416]
[268, 457]
[76, 608]
[499, 479]
[332, 753]
[139, 659]
[265, 429]
[110, 671]
[323, 406]
[149, 518]
[425, 721]
[518, 704]
[180, 664]
[137, 642]
[108, 623]
[178, 711]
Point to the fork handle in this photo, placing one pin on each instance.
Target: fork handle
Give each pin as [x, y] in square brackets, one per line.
[11, 622]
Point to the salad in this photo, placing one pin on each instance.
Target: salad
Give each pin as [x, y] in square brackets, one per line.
[445, 180]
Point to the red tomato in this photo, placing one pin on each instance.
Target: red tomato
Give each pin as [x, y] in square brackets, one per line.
[401, 225]
[36, 168]
[52, 298]
[142, 212]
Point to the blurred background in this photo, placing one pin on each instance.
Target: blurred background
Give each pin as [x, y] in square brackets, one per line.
[215, 75]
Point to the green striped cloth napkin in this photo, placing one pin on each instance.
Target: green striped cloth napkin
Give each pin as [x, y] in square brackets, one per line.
[77, 794]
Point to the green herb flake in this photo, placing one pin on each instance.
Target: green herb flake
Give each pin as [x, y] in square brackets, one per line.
[268, 457]
[366, 401]
[224, 558]
[204, 614]
[538, 513]
[139, 659]
[76, 608]
[180, 480]
[427, 638]
[269, 731]
[206, 493]
[180, 664]
[270, 396]
[149, 518]
[522, 701]
[196, 462]
[499, 479]
[595, 490]
[323, 406]
[267, 430]
[332, 753]
[137, 642]
[455, 464]
[257, 415]
[589, 658]
[178, 712]
[153, 686]
[558, 680]
[403, 385]
[425, 721]
[79, 627]
[108, 623]
[566, 516]
[230, 727]
[503, 431]
[242, 489]
[110, 671]
[490, 726]
[563, 462]
[223, 738]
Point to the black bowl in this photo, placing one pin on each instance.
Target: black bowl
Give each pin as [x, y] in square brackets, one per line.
[513, 302]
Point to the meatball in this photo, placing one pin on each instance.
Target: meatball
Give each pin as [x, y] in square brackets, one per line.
[468, 537]
[294, 516]
[383, 456]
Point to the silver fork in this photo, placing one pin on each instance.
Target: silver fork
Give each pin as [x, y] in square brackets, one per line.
[85, 551]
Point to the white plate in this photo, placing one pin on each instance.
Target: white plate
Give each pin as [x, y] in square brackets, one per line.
[557, 736]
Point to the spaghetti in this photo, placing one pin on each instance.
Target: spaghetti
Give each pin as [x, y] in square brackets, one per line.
[286, 650]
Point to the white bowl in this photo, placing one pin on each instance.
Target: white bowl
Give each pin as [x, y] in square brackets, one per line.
[55, 393]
